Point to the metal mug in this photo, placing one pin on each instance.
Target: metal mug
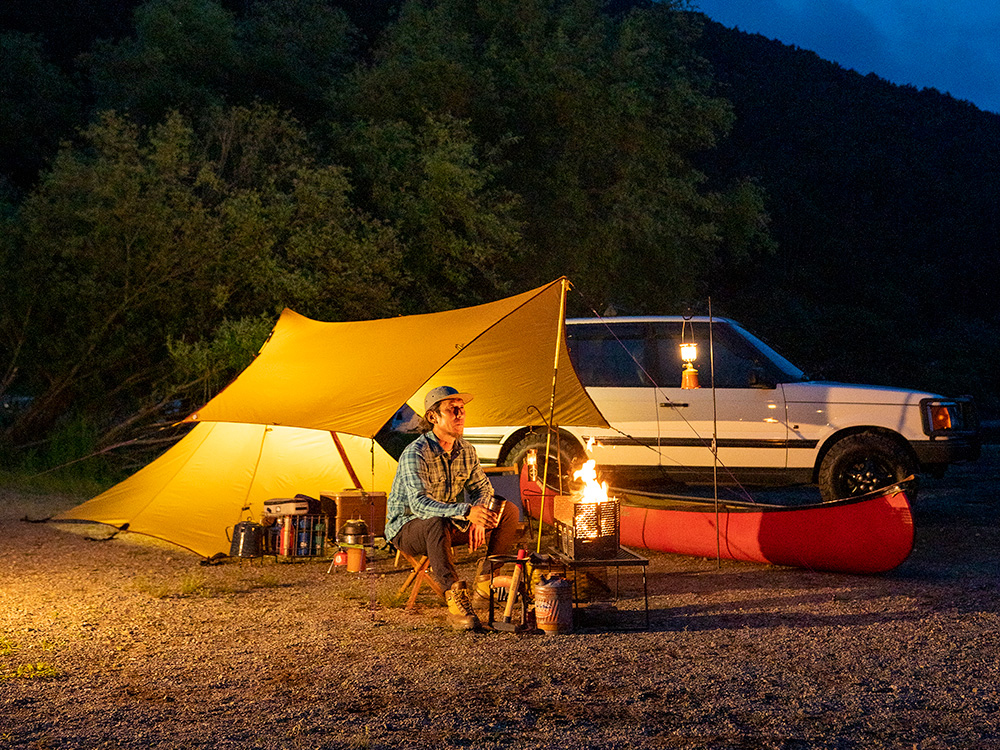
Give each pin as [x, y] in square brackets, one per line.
[495, 505]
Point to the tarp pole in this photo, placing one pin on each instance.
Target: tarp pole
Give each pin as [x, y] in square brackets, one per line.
[347, 461]
[371, 512]
[552, 412]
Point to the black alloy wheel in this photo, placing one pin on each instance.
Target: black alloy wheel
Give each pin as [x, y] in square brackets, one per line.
[859, 464]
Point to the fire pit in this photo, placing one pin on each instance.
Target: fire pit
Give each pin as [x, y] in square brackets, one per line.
[587, 523]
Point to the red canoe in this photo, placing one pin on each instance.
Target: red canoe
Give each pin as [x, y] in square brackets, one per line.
[868, 534]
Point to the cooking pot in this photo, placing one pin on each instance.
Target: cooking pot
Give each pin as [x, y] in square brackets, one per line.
[354, 531]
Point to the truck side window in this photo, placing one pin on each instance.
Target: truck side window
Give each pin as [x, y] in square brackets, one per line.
[605, 359]
[736, 363]
[668, 353]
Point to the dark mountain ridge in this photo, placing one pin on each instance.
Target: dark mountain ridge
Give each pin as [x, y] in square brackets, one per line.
[883, 202]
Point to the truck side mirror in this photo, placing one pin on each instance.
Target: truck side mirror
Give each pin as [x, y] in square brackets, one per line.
[758, 378]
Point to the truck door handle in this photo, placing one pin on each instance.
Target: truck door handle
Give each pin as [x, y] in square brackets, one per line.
[678, 404]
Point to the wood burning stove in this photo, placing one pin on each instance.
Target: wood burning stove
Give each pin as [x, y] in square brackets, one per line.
[587, 528]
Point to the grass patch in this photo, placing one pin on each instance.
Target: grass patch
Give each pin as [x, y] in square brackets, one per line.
[362, 741]
[156, 590]
[194, 585]
[37, 671]
[191, 585]
[41, 496]
[54, 483]
[268, 581]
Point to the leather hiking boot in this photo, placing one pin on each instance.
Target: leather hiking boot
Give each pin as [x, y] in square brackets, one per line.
[461, 615]
[481, 592]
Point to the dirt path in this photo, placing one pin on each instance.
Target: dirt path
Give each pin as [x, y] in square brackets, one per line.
[130, 644]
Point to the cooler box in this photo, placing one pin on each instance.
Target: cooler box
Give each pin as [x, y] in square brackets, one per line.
[341, 507]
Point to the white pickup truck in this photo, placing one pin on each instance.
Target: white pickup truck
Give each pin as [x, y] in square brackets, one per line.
[770, 423]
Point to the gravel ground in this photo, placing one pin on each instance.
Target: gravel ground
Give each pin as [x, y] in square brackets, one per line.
[132, 644]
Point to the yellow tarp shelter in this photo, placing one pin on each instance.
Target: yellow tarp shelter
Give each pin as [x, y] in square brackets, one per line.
[311, 379]
[352, 377]
[197, 490]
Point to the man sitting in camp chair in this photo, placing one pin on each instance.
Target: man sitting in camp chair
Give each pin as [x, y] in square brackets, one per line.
[427, 514]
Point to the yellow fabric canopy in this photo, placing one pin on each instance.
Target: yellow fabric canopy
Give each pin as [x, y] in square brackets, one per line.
[197, 491]
[268, 434]
[352, 377]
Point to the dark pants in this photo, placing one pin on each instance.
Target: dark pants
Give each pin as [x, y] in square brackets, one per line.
[434, 537]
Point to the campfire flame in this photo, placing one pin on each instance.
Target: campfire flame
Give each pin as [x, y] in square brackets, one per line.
[593, 491]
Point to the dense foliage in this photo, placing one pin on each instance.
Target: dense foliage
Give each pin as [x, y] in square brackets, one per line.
[173, 182]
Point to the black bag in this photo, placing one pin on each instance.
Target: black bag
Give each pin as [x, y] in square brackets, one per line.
[315, 507]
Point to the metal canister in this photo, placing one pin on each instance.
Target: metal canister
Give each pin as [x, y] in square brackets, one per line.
[356, 559]
[495, 504]
[355, 531]
[554, 605]
[319, 538]
[287, 548]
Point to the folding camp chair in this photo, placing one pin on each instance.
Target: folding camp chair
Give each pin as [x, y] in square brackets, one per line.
[418, 577]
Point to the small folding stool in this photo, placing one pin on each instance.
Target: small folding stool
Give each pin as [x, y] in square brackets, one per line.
[419, 576]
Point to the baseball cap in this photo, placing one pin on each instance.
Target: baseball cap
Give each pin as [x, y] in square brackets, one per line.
[442, 392]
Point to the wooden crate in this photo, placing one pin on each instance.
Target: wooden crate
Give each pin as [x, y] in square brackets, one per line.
[346, 505]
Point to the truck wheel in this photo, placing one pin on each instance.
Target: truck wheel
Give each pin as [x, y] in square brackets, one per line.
[565, 457]
[862, 463]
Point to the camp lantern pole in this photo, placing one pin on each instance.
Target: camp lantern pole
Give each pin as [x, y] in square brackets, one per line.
[552, 408]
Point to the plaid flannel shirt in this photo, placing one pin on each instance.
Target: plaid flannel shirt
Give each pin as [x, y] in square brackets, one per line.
[430, 482]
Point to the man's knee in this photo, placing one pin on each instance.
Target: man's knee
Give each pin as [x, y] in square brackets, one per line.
[509, 516]
[438, 532]
[422, 535]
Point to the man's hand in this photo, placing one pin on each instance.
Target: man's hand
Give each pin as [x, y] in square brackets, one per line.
[477, 536]
[482, 520]
[480, 516]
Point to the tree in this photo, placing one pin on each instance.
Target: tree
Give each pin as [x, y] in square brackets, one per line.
[38, 106]
[294, 54]
[140, 236]
[458, 229]
[593, 120]
[194, 55]
[183, 57]
[114, 248]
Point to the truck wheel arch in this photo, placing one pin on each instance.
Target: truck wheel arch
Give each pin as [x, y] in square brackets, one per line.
[511, 454]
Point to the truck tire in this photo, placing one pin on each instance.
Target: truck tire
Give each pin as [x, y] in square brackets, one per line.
[862, 463]
[565, 457]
